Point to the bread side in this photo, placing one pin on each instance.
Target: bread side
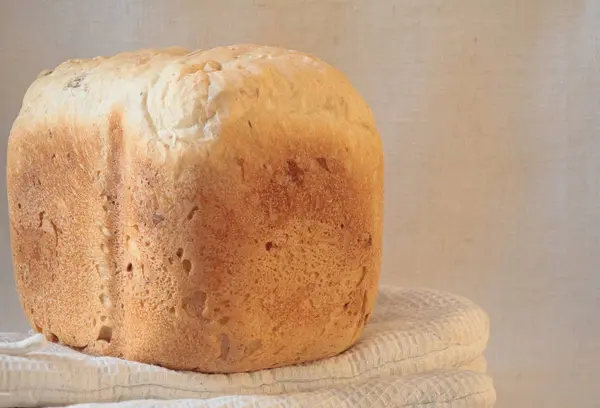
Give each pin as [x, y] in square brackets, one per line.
[217, 211]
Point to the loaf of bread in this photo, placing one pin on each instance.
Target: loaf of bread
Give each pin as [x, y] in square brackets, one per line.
[217, 211]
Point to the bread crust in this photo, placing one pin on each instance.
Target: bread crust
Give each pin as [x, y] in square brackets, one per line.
[217, 211]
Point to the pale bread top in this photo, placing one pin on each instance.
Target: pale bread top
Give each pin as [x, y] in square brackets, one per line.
[179, 99]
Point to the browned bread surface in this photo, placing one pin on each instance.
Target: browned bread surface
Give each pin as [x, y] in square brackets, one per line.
[218, 211]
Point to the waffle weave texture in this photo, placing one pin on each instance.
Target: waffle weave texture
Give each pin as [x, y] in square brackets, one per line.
[422, 348]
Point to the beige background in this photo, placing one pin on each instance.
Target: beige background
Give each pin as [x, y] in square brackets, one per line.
[490, 117]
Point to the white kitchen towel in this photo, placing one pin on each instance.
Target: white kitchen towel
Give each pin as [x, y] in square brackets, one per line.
[422, 348]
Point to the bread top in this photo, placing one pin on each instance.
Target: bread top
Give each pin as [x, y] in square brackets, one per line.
[176, 101]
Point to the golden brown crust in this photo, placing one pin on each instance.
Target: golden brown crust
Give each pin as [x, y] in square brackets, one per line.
[217, 211]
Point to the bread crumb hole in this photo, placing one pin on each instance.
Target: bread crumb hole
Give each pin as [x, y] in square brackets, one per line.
[323, 163]
[105, 300]
[105, 334]
[187, 265]
[179, 252]
[224, 320]
[157, 219]
[240, 163]
[269, 246]
[129, 267]
[192, 212]
[102, 318]
[225, 345]
[253, 346]
[363, 276]
[172, 310]
[295, 172]
[368, 239]
[195, 304]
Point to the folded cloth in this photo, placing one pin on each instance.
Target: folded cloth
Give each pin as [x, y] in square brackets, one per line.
[422, 348]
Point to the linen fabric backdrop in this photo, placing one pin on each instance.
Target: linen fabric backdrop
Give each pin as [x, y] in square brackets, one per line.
[489, 115]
